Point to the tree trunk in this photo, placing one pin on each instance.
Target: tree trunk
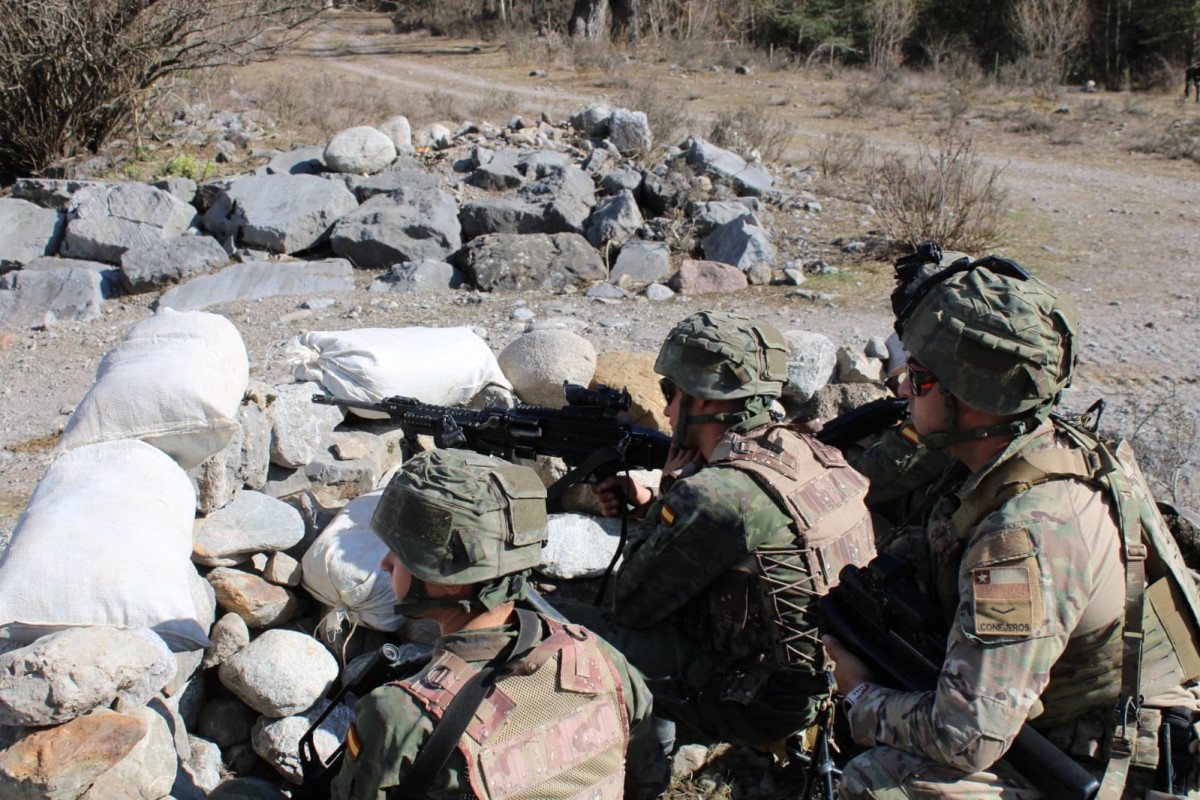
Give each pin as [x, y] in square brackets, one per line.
[625, 20]
[588, 19]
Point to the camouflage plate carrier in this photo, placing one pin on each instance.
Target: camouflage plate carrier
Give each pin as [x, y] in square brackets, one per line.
[554, 726]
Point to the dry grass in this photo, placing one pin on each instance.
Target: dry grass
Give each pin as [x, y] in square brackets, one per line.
[1178, 140]
[752, 129]
[670, 122]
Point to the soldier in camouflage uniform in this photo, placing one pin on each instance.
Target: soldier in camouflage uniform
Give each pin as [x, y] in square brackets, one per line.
[565, 717]
[754, 520]
[1037, 559]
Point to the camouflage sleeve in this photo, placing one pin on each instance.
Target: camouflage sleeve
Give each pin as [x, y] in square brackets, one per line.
[700, 534]
[386, 737]
[898, 464]
[1020, 582]
[646, 770]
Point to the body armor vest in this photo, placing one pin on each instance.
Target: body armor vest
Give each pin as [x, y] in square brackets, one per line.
[1160, 634]
[553, 726]
[758, 611]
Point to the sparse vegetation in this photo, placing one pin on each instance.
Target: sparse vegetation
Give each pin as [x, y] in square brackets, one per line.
[752, 129]
[1180, 139]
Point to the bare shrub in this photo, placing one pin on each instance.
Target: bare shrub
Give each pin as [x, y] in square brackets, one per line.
[1027, 120]
[1166, 436]
[889, 23]
[841, 155]
[1050, 32]
[752, 128]
[76, 71]
[864, 97]
[317, 109]
[1178, 140]
[946, 193]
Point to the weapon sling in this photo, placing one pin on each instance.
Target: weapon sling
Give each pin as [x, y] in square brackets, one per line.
[450, 728]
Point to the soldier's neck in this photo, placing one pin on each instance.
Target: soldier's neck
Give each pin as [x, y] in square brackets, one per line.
[453, 620]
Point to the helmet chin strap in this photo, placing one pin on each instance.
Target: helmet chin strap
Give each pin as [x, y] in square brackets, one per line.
[756, 413]
[953, 435]
[488, 595]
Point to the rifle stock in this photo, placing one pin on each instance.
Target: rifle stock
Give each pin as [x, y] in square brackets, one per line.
[880, 615]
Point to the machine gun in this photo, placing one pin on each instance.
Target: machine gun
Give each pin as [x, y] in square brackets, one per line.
[586, 433]
[880, 614]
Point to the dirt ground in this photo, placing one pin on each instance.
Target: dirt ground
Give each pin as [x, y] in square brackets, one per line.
[1118, 229]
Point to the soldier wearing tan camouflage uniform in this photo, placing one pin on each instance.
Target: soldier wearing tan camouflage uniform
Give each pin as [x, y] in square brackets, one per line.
[754, 520]
[1049, 563]
[566, 717]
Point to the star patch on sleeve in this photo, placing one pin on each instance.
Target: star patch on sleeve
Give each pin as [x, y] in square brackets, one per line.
[1003, 598]
[352, 743]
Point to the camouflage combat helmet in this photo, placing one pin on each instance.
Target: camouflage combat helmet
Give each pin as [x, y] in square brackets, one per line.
[456, 517]
[995, 337]
[722, 356]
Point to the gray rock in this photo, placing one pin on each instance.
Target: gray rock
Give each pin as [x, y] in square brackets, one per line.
[70, 672]
[301, 161]
[281, 673]
[629, 131]
[658, 292]
[255, 424]
[148, 771]
[344, 479]
[110, 276]
[501, 215]
[708, 159]
[229, 635]
[282, 569]
[877, 347]
[811, 362]
[410, 181]
[298, 425]
[566, 198]
[580, 546]
[204, 765]
[399, 130]
[280, 213]
[434, 135]
[704, 277]
[50, 193]
[614, 220]
[169, 261]
[668, 192]
[538, 363]
[178, 186]
[257, 279]
[362, 150]
[277, 741]
[27, 231]
[607, 291]
[621, 179]
[854, 366]
[226, 721]
[420, 277]
[504, 262]
[105, 221]
[592, 121]
[259, 603]
[741, 243]
[31, 298]
[499, 173]
[252, 523]
[406, 225]
[708, 216]
[541, 163]
[642, 262]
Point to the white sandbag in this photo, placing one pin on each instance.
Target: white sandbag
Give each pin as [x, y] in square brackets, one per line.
[176, 381]
[341, 569]
[105, 540]
[441, 366]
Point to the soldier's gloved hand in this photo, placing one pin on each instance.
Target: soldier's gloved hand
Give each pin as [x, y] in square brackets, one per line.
[617, 490]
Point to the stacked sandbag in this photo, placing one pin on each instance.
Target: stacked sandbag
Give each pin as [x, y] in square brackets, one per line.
[176, 382]
[440, 366]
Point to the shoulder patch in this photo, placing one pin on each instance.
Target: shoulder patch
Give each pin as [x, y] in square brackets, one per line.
[352, 744]
[909, 433]
[1004, 598]
[667, 515]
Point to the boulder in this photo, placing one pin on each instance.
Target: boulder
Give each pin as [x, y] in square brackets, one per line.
[811, 362]
[399, 130]
[854, 366]
[281, 673]
[419, 277]
[299, 426]
[300, 161]
[362, 151]
[710, 215]
[410, 180]
[27, 231]
[499, 173]
[541, 163]
[252, 523]
[277, 741]
[32, 298]
[51, 193]
[166, 262]
[110, 276]
[566, 198]
[614, 220]
[226, 721]
[501, 215]
[708, 159]
[506, 262]
[593, 120]
[229, 634]
[280, 213]
[106, 220]
[256, 279]
[538, 363]
[641, 263]
[703, 277]
[580, 546]
[634, 372]
[629, 131]
[148, 771]
[406, 225]
[741, 243]
[259, 603]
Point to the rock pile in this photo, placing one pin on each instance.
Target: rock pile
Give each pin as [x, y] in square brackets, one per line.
[527, 205]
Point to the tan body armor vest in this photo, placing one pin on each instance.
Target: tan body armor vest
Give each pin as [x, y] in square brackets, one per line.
[757, 610]
[553, 726]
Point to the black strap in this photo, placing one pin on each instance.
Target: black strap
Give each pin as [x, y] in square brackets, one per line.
[450, 728]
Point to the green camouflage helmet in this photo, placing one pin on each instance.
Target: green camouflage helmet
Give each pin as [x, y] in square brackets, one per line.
[721, 356]
[1003, 343]
[456, 517]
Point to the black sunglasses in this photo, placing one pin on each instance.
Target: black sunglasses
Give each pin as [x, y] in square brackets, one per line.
[920, 380]
[668, 389]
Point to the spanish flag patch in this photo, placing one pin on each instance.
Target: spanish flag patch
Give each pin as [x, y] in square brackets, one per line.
[910, 433]
[352, 745]
[667, 515]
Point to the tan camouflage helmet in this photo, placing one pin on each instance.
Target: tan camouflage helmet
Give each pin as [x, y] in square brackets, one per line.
[456, 517]
[996, 337]
[721, 356]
